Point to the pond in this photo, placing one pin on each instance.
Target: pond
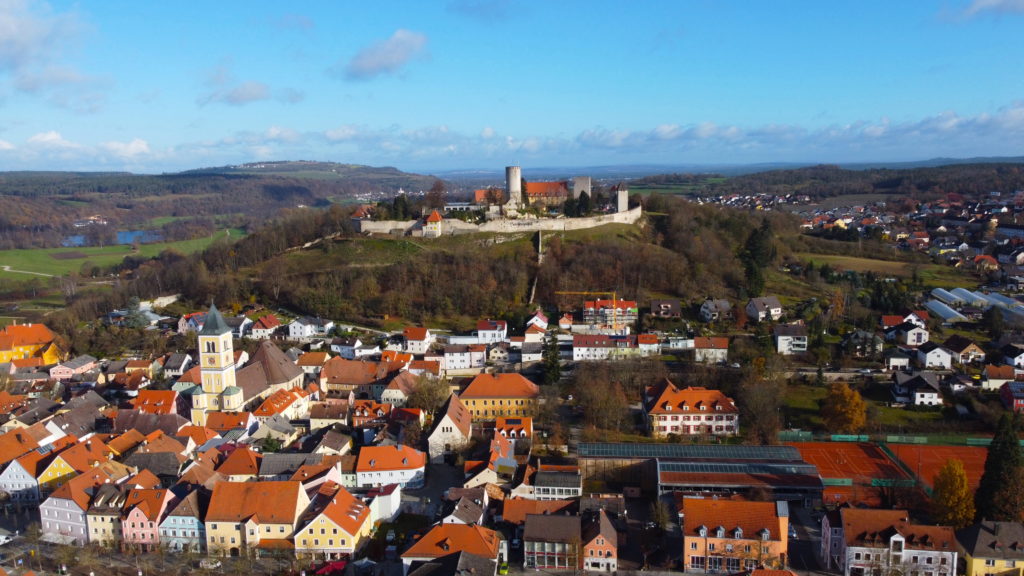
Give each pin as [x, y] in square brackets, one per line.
[123, 237]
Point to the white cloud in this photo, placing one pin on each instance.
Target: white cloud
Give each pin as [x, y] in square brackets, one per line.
[487, 133]
[247, 92]
[278, 134]
[34, 42]
[342, 133]
[51, 140]
[223, 88]
[5, 145]
[977, 7]
[387, 56]
[133, 149]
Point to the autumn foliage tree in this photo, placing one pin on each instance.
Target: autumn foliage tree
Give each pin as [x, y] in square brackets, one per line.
[952, 500]
[844, 409]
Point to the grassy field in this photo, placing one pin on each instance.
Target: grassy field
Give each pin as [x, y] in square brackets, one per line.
[802, 406]
[932, 275]
[684, 189]
[50, 261]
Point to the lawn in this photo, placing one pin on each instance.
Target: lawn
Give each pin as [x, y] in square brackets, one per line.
[931, 275]
[60, 261]
[802, 406]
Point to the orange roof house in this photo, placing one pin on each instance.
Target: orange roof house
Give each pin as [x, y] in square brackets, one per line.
[241, 465]
[691, 410]
[434, 217]
[122, 444]
[333, 509]
[445, 539]
[521, 427]
[221, 422]
[253, 514]
[516, 509]
[14, 444]
[370, 411]
[27, 340]
[292, 404]
[547, 193]
[11, 402]
[382, 465]
[490, 396]
[717, 524]
[156, 402]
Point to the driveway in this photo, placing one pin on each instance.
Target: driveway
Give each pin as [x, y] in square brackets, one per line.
[426, 500]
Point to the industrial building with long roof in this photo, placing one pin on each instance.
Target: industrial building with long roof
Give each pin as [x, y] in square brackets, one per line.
[715, 468]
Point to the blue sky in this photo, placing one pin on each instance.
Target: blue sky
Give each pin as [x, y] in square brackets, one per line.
[168, 86]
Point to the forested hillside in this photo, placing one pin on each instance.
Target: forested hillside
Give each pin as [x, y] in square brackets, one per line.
[40, 208]
[826, 181]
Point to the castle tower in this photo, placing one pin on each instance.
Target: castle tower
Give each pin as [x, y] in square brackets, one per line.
[581, 184]
[216, 368]
[513, 186]
[622, 198]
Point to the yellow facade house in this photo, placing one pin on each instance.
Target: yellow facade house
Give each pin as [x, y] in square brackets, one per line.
[337, 523]
[990, 548]
[490, 396]
[244, 516]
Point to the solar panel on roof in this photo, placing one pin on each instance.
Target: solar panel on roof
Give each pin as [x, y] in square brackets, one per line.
[737, 468]
[688, 451]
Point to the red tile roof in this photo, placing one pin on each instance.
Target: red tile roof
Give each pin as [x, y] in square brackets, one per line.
[156, 401]
[547, 189]
[269, 502]
[670, 399]
[445, 539]
[341, 507]
[26, 335]
[415, 333]
[505, 385]
[711, 343]
[864, 527]
[376, 458]
[278, 402]
[516, 509]
[243, 461]
[751, 517]
[434, 217]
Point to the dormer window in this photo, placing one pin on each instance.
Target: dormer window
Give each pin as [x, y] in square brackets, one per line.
[738, 533]
[717, 407]
[720, 532]
[703, 408]
[765, 534]
[668, 407]
[702, 532]
[686, 408]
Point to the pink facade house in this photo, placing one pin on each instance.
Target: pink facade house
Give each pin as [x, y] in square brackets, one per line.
[73, 367]
[144, 509]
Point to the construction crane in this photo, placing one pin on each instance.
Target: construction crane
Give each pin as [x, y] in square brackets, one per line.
[615, 301]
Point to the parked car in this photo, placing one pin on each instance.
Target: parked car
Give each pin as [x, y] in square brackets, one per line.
[209, 563]
[4, 539]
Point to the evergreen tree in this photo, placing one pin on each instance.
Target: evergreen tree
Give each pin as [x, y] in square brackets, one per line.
[952, 501]
[998, 497]
[552, 364]
[583, 204]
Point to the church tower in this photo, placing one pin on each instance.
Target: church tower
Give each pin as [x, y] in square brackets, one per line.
[216, 368]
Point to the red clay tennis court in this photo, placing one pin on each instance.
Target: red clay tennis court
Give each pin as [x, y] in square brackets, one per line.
[859, 462]
[925, 461]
